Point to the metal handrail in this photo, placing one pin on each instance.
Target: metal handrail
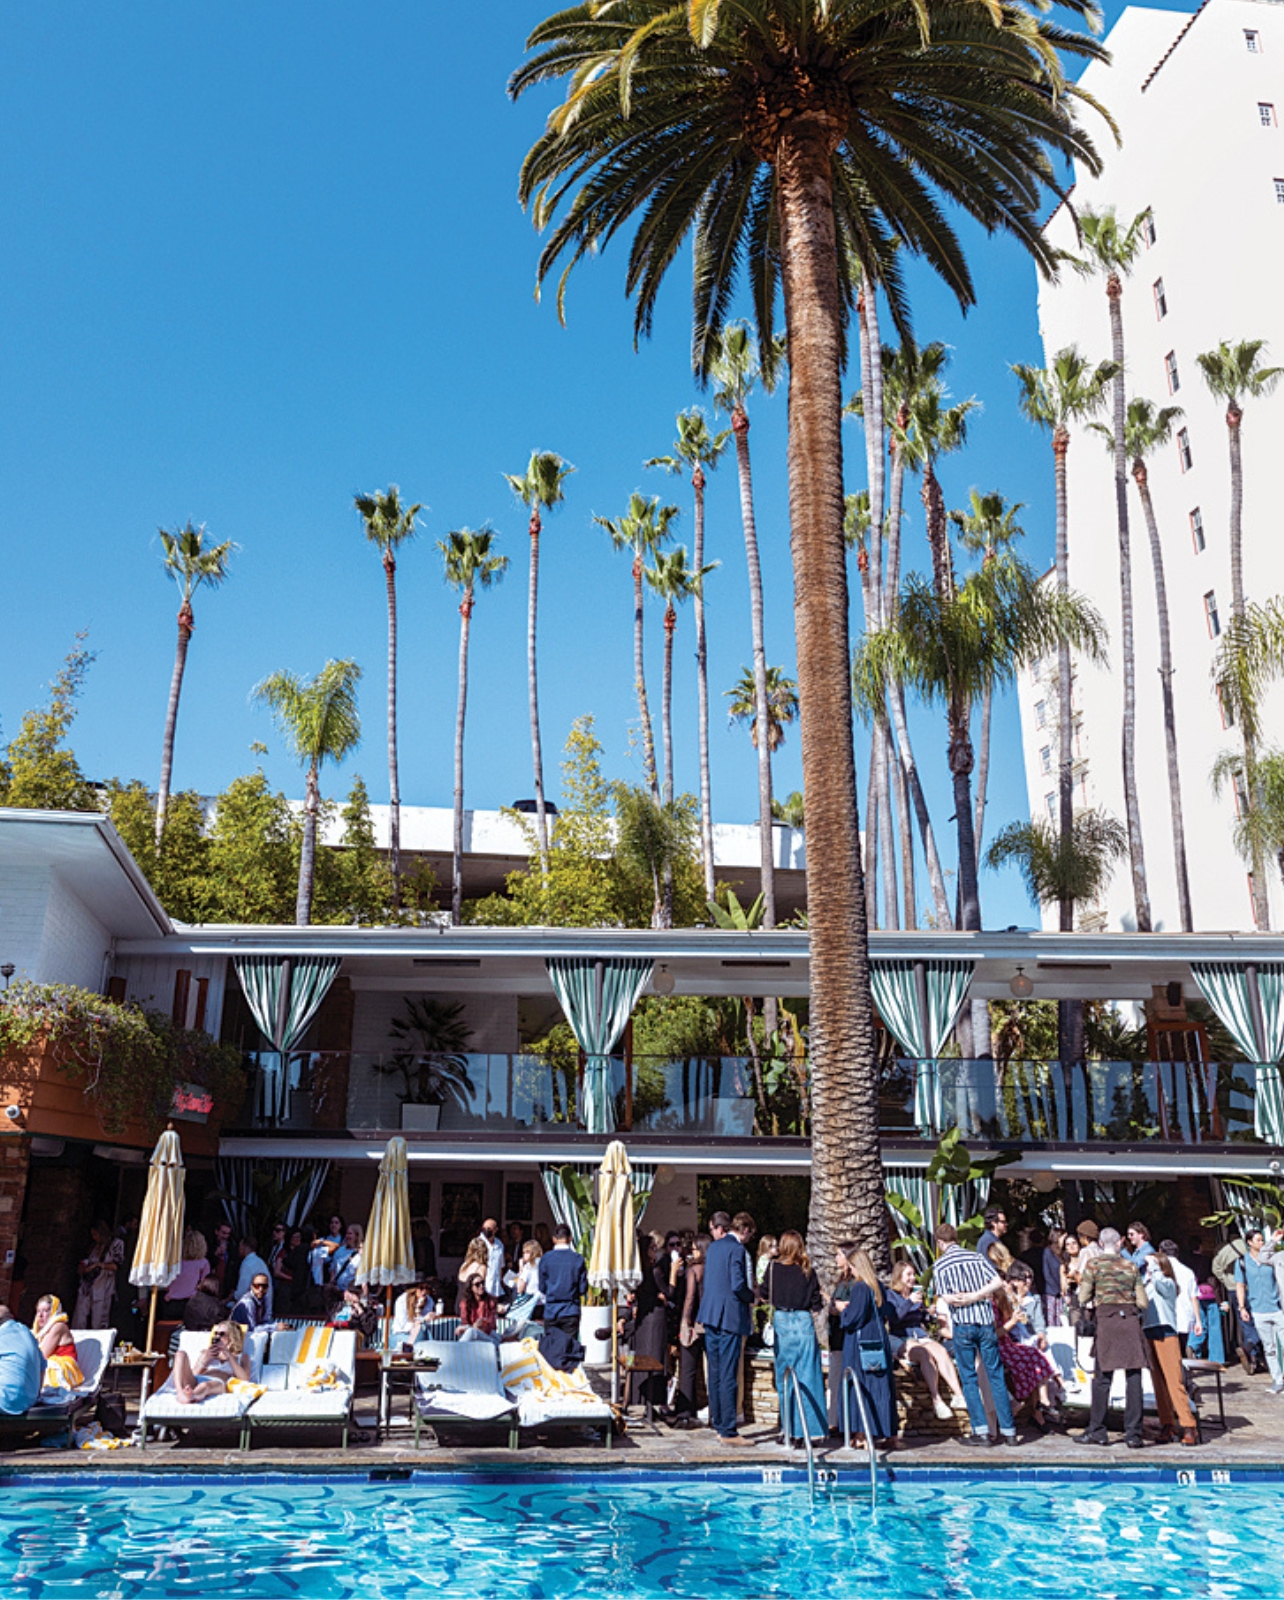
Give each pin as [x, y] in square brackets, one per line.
[850, 1377]
[785, 1376]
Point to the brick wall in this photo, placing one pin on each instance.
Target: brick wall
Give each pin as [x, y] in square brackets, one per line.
[55, 1231]
[15, 1159]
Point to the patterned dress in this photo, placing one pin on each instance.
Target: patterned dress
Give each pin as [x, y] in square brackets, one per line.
[1024, 1365]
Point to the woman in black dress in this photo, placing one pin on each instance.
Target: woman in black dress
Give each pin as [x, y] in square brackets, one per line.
[650, 1326]
[690, 1335]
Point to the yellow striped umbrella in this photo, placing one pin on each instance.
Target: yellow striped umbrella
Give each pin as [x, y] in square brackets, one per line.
[388, 1254]
[160, 1232]
[614, 1263]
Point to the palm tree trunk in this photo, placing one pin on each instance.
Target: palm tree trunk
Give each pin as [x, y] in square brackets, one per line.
[905, 832]
[886, 845]
[1170, 713]
[1132, 807]
[871, 355]
[962, 757]
[639, 681]
[983, 765]
[702, 691]
[740, 427]
[938, 532]
[847, 1173]
[457, 864]
[1070, 1040]
[394, 788]
[871, 830]
[1234, 418]
[541, 823]
[186, 622]
[308, 848]
[895, 511]
[666, 732]
[935, 872]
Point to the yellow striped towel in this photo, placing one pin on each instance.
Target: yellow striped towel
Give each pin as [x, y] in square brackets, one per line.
[314, 1345]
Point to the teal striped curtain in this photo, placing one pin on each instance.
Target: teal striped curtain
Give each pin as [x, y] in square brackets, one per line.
[643, 1184]
[598, 996]
[945, 1202]
[263, 979]
[920, 1002]
[560, 1202]
[1226, 987]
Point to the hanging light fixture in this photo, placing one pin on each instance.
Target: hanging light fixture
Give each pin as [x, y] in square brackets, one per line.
[1020, 986]
[662, 982]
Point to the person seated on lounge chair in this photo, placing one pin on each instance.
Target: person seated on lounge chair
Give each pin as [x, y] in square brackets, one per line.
[411, 1315]
[205, 1309]
[254, 1308]
[216, 1368]
[478, 1312]
[358, 1312]
[53, 1335]
[22, 1366]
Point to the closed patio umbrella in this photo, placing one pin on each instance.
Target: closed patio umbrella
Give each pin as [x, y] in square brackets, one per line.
[388, 1254]
[160, 1232]
[614, 1263]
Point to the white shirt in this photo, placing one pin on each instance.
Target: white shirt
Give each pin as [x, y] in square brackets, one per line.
[495, 1266]
[1187, 1298]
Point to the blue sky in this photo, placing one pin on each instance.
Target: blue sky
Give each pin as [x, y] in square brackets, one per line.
[260, 257]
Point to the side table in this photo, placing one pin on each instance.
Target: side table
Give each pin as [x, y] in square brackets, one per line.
[144, 1363]
[392, 1369]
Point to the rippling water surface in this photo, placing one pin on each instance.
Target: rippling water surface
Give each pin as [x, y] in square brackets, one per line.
[701, 1539]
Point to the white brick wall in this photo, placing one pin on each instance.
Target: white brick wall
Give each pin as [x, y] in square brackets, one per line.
[47, 931]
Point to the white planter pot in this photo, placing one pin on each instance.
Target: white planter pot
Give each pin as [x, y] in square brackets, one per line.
[597, 1352]
[419, 1119]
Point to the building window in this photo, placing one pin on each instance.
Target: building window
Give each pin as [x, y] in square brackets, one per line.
[1197, 529]
[1210, 613]
[1161, 300]
[1252, 41]
[1241, 795]
[1045, 759]
[1183, 449]
[1279, 190]
[1266, 113]
[1040, 713]
[1036, 668]
[1050, 801]
[1228, 715]
[1170, 367]
[1148, 228]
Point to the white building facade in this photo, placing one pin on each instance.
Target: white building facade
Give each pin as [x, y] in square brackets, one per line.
[1198, 101]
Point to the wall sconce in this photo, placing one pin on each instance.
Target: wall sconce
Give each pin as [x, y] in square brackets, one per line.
[662, 982]
[7, 971]
[1021, 987]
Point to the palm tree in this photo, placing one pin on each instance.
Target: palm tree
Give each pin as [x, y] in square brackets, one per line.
[736, 366]
[697, 448]
[1110, 252]
[539, 489]
[794, 141]
[1150, 428]
[1233, 373]
[949, 647]
[1070, 389]
[1259, 828]
[938, 430]
[1057, 866]
[673, 581]
[388, 525]
[782, 709]
[642, 530]
[190, 562]
[469, 563]
[319, 719]
[791, 811]
[1249, 660]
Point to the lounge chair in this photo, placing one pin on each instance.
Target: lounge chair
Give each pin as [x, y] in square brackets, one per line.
[467, 1387]
[1073, 1360]
[295, 1398]
[546, 1397]
[220, 1411]
[60, 1409]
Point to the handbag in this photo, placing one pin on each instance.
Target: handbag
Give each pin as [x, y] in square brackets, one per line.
[769, 1327]
[873, 1357]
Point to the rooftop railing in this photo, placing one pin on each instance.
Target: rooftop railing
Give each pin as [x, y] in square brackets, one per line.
[1013, 1102]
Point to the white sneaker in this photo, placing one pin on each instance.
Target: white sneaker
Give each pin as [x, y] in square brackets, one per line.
[942, 1410]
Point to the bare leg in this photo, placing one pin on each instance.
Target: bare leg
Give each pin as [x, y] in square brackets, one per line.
[921, 1357]
[188, 1389]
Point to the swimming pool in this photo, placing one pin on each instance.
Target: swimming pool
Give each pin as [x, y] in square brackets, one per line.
[637, 1535]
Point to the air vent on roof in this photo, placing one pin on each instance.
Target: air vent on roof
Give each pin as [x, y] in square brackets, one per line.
[444, 961]
[1073, 966]
[751, 962]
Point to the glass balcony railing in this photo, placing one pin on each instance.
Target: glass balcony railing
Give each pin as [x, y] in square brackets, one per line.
[1014, 1102]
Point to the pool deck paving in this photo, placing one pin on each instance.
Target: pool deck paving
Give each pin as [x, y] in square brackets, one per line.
[1253, 1440]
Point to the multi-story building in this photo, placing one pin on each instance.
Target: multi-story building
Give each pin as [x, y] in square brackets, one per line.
[1198, 102]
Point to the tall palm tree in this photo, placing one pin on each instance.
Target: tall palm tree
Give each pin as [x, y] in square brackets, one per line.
[1259, 828]
[696, 447]
[642, 530]
[782, 705]
[986, 527]
[388, 525]
[539, 489]
[948, 647]
[1109, 252]
[318, 718]
[1249, 660]
[1149, 429]
[736, 366]
[938, 430]
[1069, 389]
[1056, 866]
[470, 563]
[673, 581]
[191, 562]
[1234, 373]
[786, 140]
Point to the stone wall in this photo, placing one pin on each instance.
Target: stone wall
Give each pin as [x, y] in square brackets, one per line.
[15, 1159]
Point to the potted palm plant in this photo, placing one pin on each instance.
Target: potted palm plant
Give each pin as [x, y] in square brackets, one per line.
[431, 1060]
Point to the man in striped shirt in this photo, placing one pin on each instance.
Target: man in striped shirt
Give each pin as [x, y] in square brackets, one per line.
[967, 1283]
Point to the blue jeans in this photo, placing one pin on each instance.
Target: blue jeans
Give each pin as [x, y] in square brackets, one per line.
[969, 1341]
[722, 1351]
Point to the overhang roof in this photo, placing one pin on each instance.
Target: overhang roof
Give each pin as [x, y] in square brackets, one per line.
[90, 857]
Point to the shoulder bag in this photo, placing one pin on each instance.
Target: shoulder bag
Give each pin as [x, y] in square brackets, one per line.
[769, 1329]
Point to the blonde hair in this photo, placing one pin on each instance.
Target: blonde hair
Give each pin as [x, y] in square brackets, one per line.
[194, 1246]
[863, 1270]
[767, 1244]
[900, 1268]
[476, 1255]
[532, 1250]
[1001, 1256]
[793, 1252]
[235, 1335]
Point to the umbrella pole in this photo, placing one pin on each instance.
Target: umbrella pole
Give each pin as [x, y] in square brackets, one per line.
[387, 1319]
[151, 1321]
[615, 1355]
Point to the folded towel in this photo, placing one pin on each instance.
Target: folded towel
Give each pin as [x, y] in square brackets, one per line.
[92, 1437]
[63, 1372]
[243, 1386]
[324, 1375]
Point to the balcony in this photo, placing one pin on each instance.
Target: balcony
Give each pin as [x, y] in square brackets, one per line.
[1014, 1103]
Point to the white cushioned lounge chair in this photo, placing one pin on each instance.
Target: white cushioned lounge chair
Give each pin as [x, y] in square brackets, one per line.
[226, 1411]
[294, 1398]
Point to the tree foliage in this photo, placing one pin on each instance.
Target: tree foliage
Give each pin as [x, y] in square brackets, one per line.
[39, 772]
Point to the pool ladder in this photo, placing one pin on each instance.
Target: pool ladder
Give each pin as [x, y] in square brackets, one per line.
[849, 1378]
[792, 1387]
[787, 1378]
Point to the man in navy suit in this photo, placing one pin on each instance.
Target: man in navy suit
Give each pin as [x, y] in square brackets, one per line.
[563, 1281]
[725, 1316]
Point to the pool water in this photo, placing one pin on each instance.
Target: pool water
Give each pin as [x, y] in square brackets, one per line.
[655, 1536]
